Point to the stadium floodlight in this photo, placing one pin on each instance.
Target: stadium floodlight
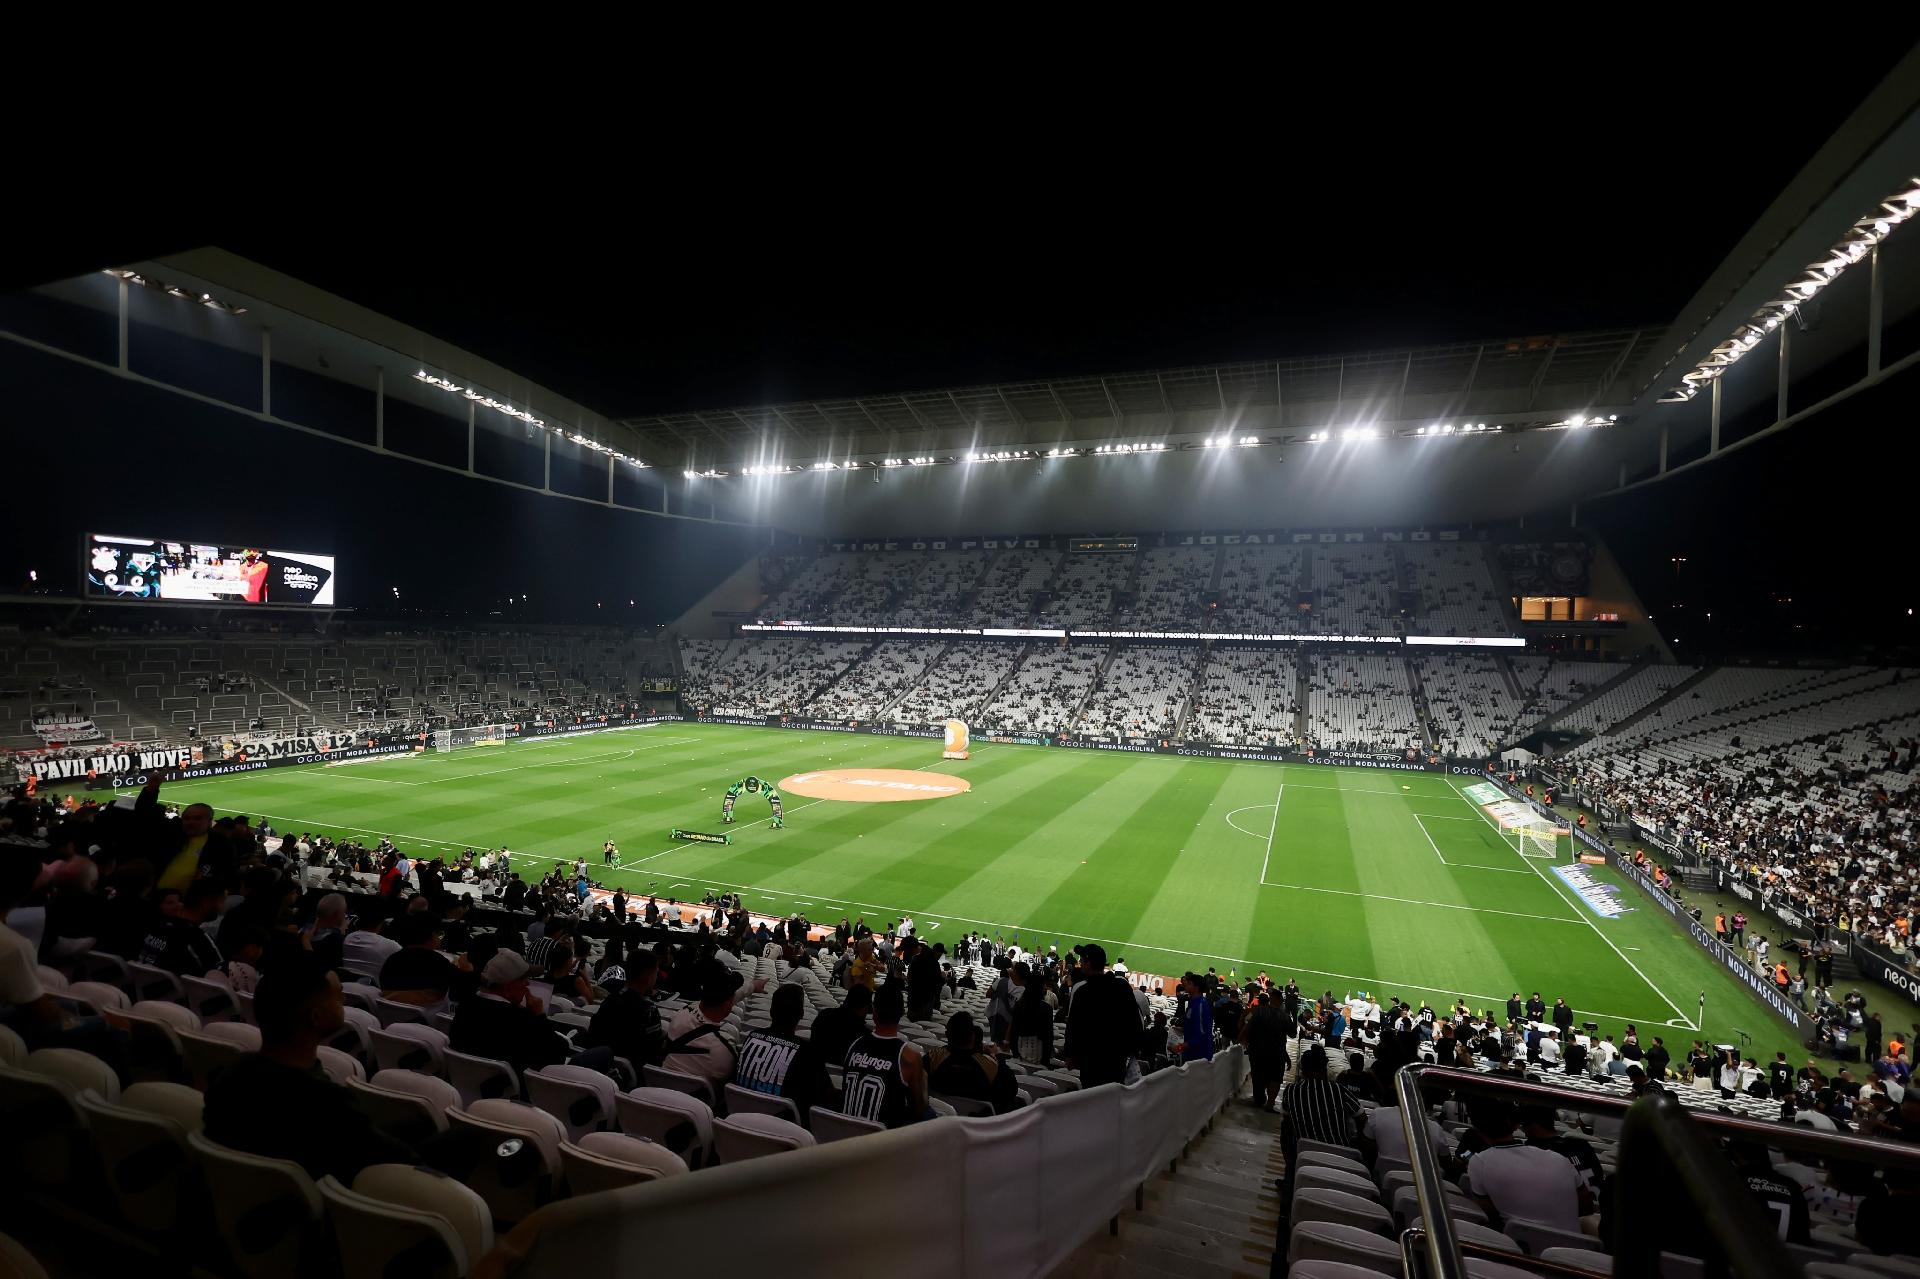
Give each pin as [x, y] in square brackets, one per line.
[1860, 240]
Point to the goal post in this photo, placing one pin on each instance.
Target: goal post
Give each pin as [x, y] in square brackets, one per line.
[453, 739]
[1544, 841]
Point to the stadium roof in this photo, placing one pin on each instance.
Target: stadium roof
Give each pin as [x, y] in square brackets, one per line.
[1502, 379]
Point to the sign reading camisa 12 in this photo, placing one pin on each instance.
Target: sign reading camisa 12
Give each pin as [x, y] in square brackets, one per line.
[141, 568]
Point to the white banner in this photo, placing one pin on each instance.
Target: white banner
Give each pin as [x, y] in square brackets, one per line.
[67, 730]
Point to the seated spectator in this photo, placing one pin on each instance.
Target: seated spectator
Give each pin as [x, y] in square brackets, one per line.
[1512, 1179]
[279, 1103]
[1316, 1108]
[328, 931]
[569, 975]
[417, 973]
[25, 1006]
[504, 1021]
[175, 939]
[778, 1062]
[886, 1080]
[700, 1040]
[965, 1067]
[364, 950]
[835, 1029]
[627, 1020]
[241, 968]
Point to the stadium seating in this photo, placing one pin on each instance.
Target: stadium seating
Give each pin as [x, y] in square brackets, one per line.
[1246, 697]
[1361, 701]
[871, 686]
[957, 684]
[1006, 593]
[1168, 590]
[1045, 690]
[1143, 693]
[1454, 588]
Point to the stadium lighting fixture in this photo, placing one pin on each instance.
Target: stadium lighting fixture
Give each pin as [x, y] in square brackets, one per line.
[1860, 239]
[174, 290]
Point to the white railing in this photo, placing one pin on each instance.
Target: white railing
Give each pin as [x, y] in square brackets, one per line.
[1005, 1196]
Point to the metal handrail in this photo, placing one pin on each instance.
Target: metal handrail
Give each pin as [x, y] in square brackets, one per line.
[1652, 1124]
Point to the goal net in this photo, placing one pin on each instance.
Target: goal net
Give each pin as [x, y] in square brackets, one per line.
[1530, 834]
[452, 739]
[1543, 840]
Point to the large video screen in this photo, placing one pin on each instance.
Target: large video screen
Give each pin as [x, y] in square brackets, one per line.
[141, 568]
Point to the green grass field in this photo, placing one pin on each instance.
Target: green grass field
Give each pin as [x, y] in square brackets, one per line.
[1348, 879]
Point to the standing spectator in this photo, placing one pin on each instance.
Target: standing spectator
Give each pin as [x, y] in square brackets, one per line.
[1657, 1058]
[1032, 1016]
[1103, 1022]
[1265, 1035]
[1197, 1023]
[1563, 1018]
[923, 981]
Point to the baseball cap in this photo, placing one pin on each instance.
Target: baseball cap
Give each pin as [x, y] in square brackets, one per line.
[505, 966]
[613, 973]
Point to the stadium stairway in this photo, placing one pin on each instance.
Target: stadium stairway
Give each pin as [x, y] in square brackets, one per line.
[1193, 694]
[1677, 691]
[1214, 575]
[1303, 681]
[1423, 713]
[1093, 686]
[1213, 1216]
[1513, 681]
[1026, 650]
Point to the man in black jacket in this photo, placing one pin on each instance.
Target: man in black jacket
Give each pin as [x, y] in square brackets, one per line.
[503, 1021]
[627, 1021]
[1103, 1022]
[835, 1029]
[1657, 1059]
[175, 939]
[923, 981]
[1563, 1018]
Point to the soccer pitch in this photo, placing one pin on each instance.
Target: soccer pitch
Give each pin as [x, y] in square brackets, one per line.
[1348, 879]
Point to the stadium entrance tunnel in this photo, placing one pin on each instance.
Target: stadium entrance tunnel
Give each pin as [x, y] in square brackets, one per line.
[874, 785]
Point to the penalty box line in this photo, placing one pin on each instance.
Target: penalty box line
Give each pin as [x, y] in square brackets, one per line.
[1549, 880]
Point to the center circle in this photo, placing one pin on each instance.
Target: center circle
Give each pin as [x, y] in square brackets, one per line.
[874, 785]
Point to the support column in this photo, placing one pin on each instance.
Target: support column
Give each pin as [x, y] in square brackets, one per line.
[1780, 393]
[380, 409]
[1874, 322]
[124, 286]
[546, 482]
[1663, 448]
[609, 481]
[470, 421]
[266, 371]
[1713, 425]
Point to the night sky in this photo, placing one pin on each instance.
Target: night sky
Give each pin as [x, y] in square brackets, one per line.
[858, 241]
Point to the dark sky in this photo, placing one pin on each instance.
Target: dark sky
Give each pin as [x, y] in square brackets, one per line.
[1343, 200]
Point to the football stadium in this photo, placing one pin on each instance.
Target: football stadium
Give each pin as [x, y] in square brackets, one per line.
[498, 784]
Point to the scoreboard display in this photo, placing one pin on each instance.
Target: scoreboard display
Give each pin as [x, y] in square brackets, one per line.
[154, 569]
[1096, 545]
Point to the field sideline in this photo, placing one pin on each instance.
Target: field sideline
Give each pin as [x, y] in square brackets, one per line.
[1349, 879]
